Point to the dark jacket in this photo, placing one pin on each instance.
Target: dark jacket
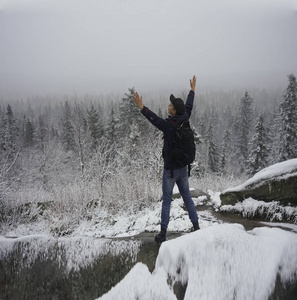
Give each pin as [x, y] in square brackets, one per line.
[168, 126]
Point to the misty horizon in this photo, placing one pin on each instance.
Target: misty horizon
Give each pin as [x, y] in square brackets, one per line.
[95, 47]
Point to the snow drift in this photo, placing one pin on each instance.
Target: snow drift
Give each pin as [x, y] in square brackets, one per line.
[218, 262]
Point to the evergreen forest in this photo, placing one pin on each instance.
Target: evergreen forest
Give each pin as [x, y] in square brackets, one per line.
[85, 154]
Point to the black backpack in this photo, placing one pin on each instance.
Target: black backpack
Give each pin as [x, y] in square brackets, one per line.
[184, 149]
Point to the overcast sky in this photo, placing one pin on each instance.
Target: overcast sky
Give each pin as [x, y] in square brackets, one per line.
[103, 46]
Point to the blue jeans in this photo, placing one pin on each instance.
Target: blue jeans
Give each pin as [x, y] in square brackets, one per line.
[180, 177]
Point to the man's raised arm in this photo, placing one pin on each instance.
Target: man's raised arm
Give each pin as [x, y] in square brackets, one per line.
[137, 100]
[193, 83]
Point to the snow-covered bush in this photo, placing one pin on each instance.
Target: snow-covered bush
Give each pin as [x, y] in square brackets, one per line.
[214, 182]
[272, 211]
[64, 206]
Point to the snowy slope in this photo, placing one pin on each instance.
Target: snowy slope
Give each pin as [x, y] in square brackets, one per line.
[218, 262]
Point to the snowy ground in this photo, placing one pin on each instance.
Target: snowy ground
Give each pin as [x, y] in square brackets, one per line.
[221, 261]
[124, 225]
[103, 224]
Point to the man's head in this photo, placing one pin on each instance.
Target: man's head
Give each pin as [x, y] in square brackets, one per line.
[178, 106]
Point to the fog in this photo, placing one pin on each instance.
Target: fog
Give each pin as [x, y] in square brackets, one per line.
[103, 46]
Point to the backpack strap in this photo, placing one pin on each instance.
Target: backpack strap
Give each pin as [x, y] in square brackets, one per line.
[175, 125]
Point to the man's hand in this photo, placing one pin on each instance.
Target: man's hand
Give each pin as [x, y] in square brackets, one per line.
[193, 83]
[137, 100]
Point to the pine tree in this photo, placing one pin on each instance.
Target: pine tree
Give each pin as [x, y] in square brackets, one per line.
[126, 109]
[134, 139]
[41, 134]
[9, 144]
[67, 131]
[273, 138]
[111, 127]
[288, 120]
[259, 152]
[54, 134]
[9, 132]
[95, 127]
[197, 167]
[28, 133]
[226, 151]
[42, 139]
[128, 112]
[212, 150]
[80, 126]
[243, 125]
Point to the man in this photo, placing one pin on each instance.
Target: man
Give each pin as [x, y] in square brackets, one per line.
[173, 172]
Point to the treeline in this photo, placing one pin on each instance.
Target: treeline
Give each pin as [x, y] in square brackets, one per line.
[251, 134]
[46, 142]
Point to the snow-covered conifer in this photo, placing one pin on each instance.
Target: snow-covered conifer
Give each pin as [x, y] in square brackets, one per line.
[80, 133]
[226, 152]
[243, 129]
[9, 132]
[259, 152]
[67, 129]
[213, 157]
[111, 127]
[95, 127]
[288, 121]
[9, 144]
[28, 133]
[129, 111]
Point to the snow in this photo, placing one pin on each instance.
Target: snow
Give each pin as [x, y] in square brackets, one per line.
[250, 208]
[140, 284]
[218, 262]
[146, 220]
[215, 199]
[74, 252]
[121, 224]
[292, 227]
[281, 170]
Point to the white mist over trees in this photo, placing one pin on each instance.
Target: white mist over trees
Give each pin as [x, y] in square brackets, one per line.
[102, 152]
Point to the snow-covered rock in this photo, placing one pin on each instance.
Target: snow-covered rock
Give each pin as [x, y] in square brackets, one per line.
[274, 183]
[218, 262]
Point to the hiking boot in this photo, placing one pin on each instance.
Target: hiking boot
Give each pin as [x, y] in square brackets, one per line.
[196, 226]
[161, 237]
